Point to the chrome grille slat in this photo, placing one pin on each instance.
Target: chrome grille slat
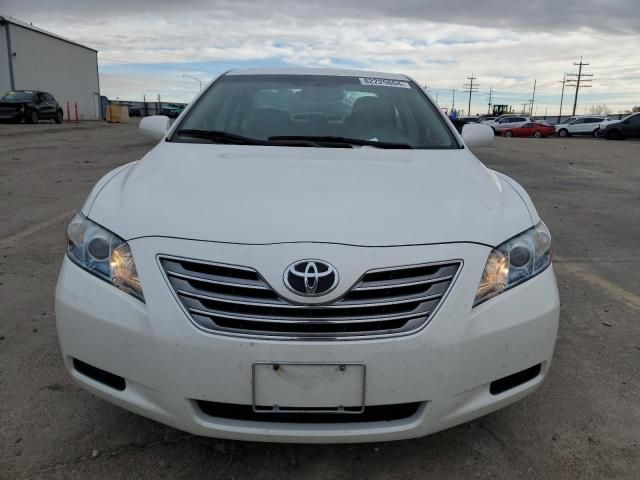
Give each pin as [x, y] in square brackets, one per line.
[175, 268]
[291, 306]
[306, 320]
[215, 282]
[382, 286]
[236, 300]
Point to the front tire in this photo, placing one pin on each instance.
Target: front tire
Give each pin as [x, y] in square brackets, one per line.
[596, 133]
[508, 133]
[538, 134]
[563, 132]
[33, 117]
[59, 117]
[614, 135]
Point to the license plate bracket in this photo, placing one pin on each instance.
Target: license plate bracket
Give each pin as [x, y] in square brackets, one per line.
[308, 387]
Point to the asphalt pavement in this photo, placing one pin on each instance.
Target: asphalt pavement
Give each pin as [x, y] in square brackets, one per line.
[583, 423]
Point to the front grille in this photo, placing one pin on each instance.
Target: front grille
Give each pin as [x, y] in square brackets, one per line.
[378, 413]
[236, 300]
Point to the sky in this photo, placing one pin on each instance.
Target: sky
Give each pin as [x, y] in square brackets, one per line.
[147, 46]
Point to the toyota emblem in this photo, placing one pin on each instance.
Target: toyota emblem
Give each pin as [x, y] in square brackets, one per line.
[311, 278]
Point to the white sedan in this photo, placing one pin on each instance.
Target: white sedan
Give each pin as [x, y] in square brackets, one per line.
[309, 256]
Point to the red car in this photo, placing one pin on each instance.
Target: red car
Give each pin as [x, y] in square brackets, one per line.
[537, 130]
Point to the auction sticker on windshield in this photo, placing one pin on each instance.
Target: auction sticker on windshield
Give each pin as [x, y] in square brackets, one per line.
[383, 82]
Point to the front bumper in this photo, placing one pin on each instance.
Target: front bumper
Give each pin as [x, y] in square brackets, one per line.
[169, 364]
[11, 117]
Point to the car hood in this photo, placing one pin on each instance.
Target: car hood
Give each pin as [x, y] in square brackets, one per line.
[263, 194]
[610, 123]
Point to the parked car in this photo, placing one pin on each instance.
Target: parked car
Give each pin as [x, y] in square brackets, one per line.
[172, 111]
[288, 274]
[532, 129]
[491, 121]
[509, 123]
[30, 106]
[628, 127]
[588, 125]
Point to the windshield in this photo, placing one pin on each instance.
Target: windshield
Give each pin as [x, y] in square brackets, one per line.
[18, 96]
[320, 108]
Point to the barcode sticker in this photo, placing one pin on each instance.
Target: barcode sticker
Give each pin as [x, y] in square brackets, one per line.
[383, 82]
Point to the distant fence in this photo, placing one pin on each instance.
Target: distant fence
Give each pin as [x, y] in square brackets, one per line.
[143, 109]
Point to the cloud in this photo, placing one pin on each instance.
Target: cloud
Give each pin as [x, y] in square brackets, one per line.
[145, 46]
[535, 15]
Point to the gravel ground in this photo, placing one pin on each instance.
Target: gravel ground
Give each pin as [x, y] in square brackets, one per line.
[583, 423]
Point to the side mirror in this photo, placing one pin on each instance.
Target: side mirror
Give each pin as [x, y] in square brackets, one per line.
[155, 126]
[476, 135]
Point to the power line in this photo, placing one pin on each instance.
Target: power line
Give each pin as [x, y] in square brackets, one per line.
[471, 88]
[580, 82]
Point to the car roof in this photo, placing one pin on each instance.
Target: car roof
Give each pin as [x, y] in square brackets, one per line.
[333, 72]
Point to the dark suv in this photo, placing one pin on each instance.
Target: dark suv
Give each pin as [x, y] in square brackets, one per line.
[30, 106]
[628, 127]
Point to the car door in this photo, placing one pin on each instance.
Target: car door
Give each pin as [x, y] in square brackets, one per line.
[45, 109]
[526, 130]
[577, 126]
[631, 126]
[591, 124]
[40, 105]
[52, 105]
[519, 121]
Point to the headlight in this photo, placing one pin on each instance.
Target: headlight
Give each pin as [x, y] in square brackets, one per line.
[103, 254]
[515, 261]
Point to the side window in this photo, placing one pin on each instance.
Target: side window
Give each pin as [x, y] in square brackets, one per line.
[41, 98]
[49, 98]
[635, 120]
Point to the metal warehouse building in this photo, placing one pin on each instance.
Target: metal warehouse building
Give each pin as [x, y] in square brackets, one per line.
[33, 59]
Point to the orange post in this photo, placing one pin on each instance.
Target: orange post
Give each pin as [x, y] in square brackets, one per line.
[75, 106]
[68, 113]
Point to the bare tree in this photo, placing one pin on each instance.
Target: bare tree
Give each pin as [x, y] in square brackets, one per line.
[635, 109]
[601, 109]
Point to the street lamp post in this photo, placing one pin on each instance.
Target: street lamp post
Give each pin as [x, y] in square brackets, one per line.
[194, 78]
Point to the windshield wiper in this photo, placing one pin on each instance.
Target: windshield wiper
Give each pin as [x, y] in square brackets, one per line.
[341, 141]
[219, 136]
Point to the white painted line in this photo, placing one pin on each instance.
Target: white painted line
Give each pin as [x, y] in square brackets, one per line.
[584, 272]
[33, 229]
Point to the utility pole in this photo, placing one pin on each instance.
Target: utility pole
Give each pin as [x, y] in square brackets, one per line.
[564, 80]
[470, 87]
[533, 97]
[524, 108]
[579, 81]
[490, 98]
[453, 100]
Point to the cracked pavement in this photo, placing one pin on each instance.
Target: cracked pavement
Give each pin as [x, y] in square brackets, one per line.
[583, 423]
